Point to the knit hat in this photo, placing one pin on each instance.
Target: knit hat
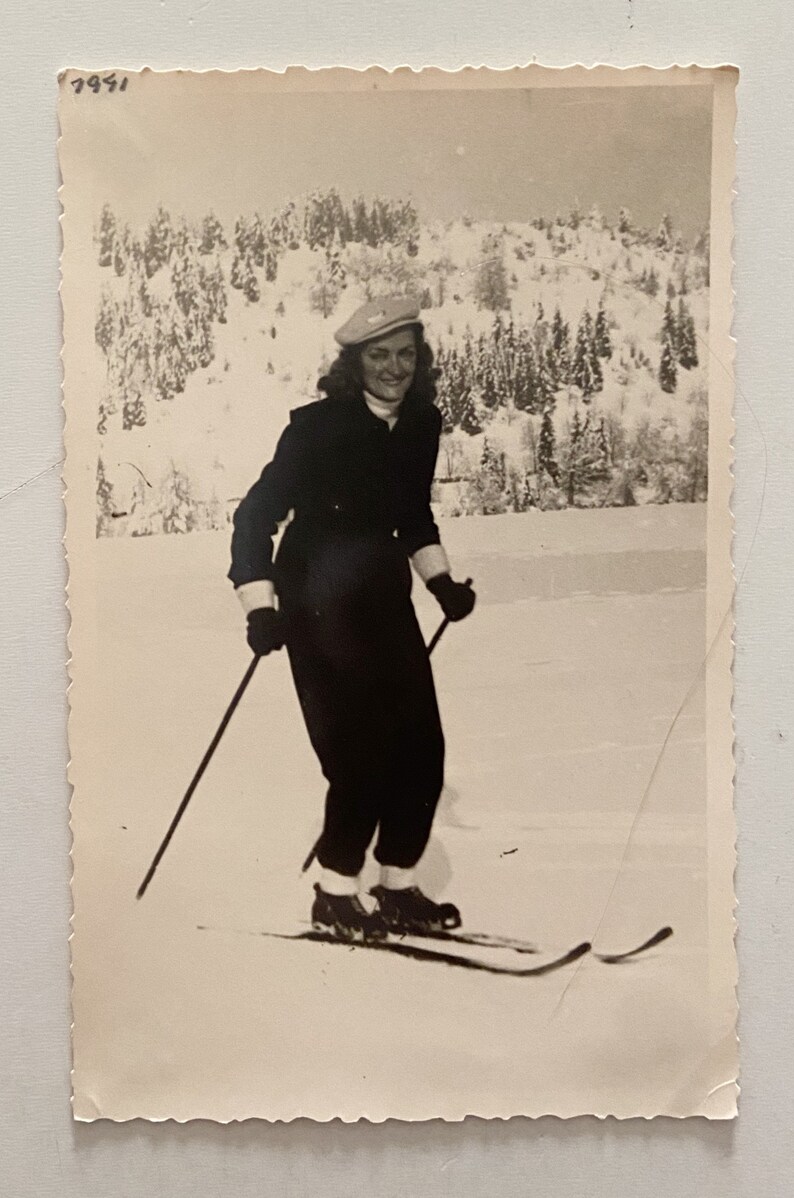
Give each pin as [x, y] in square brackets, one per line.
[377, 318]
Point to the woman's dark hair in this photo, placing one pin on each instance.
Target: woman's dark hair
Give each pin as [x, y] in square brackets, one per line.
[344, 379]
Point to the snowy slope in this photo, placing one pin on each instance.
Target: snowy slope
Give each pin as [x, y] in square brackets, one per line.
[556, 696]
[222, 428]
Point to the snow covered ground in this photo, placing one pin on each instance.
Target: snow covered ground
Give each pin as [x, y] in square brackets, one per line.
[556, 826]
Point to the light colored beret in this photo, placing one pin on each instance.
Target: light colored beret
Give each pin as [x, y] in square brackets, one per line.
[377, 318]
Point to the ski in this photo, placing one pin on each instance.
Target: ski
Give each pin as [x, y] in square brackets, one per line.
[526, 947]
[416, 952]
[398, 943]
[615, 958]
[485, 940]
[476, 939]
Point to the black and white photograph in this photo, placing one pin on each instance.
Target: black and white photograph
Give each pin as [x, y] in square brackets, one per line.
[398, 415]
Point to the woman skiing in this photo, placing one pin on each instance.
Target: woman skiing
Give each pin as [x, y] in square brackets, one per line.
[355, 469]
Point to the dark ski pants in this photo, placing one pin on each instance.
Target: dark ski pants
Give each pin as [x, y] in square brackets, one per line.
[366, 690]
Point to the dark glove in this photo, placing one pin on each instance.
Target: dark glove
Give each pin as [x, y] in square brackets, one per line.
[265, 630]
[455, 598]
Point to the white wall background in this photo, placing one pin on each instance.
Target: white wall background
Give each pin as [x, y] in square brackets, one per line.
[41, 1152]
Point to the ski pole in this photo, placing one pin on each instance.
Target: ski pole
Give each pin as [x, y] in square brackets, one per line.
[180, 811]
[436, 637]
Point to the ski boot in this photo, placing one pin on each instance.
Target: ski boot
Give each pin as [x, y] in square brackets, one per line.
[409, 912]
[344, 916]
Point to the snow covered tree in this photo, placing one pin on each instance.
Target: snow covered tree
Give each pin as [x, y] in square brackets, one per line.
[133, 409]
[561, 345]
[488, 487]
[686, 338]
[585, 456]
[214, 289]
[121, 250]
[237, 275]
[335, 267]
[624, 222]
[670, 330]
[250, 283]
[157, 243]
[528, 498]
[601, 340]
[664, 236]
[324, 293]
[667, 370]
[586, 373]
[648, 282]
[106, 235]
[212, 237]
[595, 218]
[176, 503]
[256, 236]
[466, 414]
[490, 283]
[104, 501]
[547, 447]
[105, 326]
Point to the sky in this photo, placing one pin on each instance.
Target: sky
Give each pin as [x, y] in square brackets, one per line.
[504, 155]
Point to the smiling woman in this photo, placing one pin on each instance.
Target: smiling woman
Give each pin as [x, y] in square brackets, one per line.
[388, 366]
[356, 468]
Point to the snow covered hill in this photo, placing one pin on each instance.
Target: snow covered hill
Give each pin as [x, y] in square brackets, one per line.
[572, 354]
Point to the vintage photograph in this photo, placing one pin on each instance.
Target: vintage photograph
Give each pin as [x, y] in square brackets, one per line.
[397, 423]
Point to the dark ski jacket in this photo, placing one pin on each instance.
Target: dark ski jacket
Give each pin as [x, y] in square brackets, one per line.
[359, 493]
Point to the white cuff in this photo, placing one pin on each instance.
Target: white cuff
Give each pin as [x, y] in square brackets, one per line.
[256, 594]
[430, 561]
[392, 877]
[334, 883]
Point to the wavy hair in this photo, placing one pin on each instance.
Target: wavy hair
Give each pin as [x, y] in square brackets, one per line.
[345, 378]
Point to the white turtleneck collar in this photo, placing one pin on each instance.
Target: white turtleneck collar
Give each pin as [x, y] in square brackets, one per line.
[381, 408]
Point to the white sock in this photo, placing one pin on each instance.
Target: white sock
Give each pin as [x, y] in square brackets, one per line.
[334, 883]
[394, 878]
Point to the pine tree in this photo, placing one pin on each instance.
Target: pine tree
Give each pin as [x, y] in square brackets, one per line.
[601, 339]
[238, 274]
[214, 291]
[561, 344]
[667, 370]
[467, 417]
[106, 235]
[490, 284]
[586, 367]
[687, 340]
[670, 330]
[104, 500]
[547, 448]
[528, 498]
[250, 283]
[176, 501]
[664, 237]
[105, 326]
[257, 241]
[121, 251]
[526, 385]
[212, 237]
[242, 238]
[157, 243]
[491, 481]
[133, 410]
[624, 222]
